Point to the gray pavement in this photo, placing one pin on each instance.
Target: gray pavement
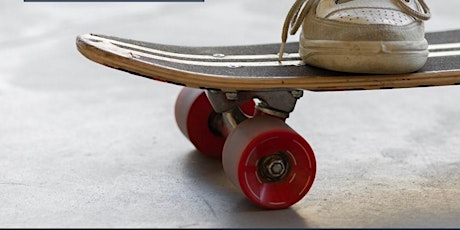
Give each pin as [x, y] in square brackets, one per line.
[82, 145]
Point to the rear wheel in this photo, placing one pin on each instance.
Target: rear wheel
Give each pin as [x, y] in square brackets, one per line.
[197, 120]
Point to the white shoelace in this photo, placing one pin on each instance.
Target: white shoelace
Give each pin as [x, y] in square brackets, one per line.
[300, 9]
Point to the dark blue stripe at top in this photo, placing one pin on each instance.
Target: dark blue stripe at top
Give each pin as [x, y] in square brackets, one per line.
[113, 0]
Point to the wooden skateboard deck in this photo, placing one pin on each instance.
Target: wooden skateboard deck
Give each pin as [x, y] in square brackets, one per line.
[255, 67]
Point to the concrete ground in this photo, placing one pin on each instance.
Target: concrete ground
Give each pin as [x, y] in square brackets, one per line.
[82, 145]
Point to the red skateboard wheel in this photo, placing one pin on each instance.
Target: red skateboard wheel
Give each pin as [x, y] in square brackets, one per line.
[194, 112]
[271, 164]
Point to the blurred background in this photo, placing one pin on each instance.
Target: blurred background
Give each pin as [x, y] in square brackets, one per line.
[83, 145]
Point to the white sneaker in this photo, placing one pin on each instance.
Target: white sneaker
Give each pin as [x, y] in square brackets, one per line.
[361, 36]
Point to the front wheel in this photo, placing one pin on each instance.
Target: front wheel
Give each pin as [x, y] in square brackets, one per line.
[272, 164]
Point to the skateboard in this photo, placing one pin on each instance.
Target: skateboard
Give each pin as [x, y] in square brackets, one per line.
[235, 101]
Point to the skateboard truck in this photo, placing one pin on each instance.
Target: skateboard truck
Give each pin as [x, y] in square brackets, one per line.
[278, 104]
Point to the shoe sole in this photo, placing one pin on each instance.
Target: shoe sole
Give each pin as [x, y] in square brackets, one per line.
[380, 57]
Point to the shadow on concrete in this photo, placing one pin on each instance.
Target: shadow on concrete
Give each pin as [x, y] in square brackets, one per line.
[231, 208]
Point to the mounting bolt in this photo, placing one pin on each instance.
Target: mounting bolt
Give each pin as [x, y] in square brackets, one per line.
[297, 93]
[231, 96]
